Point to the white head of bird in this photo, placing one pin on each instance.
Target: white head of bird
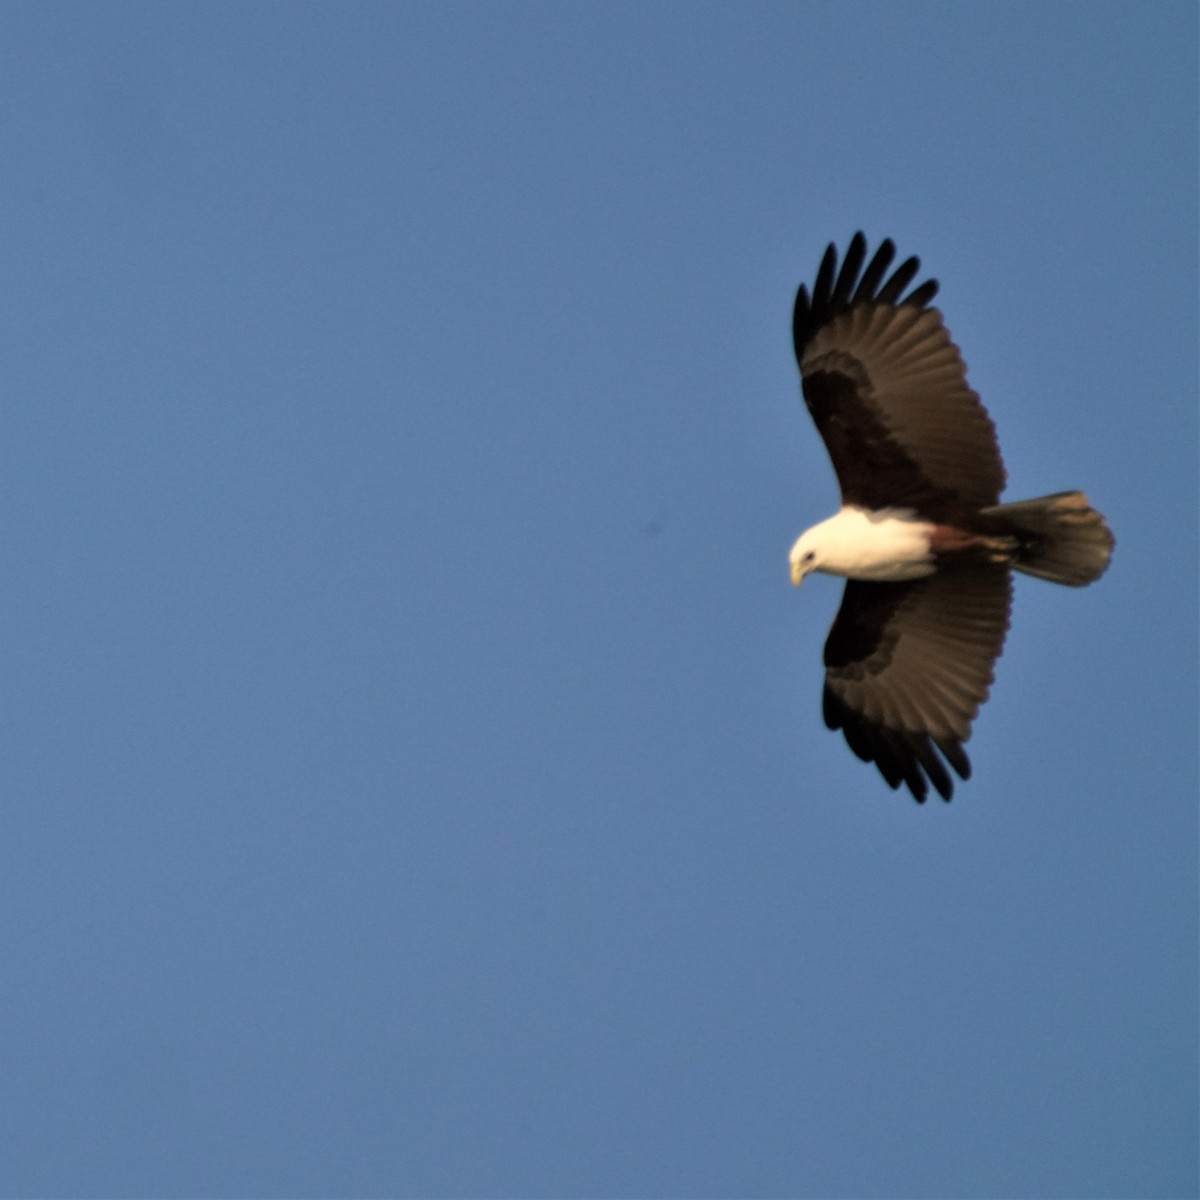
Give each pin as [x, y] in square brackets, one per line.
[888, 545]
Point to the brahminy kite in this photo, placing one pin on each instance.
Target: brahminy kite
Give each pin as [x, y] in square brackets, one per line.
[921, 537]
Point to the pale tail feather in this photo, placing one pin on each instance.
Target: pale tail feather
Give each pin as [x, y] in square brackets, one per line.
[1062, 537]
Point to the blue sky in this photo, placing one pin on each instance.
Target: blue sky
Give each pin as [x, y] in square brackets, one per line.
[414, 776]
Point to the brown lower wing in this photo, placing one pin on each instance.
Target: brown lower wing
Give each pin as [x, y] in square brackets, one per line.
[907, 667]
[888, 391]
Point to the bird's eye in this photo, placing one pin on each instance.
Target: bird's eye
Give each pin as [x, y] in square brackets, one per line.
[810, 556]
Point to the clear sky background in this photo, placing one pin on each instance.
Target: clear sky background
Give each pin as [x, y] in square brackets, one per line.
[414, 780]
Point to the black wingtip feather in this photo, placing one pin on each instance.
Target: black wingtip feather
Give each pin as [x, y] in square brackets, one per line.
[905, 761]
[873, 276]
[932, 765]
[801, 318]
[922, 295]
[901, 756]
[856, 252]
[835, 291]
[955, 755]
[902, 276]
[823, 288]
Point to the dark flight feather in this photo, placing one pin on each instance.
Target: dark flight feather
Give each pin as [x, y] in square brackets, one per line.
[907, 667]
[887, 389]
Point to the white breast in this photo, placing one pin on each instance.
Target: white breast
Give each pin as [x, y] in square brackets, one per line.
[889, 544]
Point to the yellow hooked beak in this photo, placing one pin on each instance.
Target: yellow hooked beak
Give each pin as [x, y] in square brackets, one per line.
[797, 573]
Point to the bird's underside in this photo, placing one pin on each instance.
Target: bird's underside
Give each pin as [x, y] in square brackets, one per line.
[922, 538]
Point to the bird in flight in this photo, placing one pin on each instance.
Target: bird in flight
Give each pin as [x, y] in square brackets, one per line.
[925, 546]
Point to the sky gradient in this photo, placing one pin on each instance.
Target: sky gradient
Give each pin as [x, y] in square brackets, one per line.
[415, 782]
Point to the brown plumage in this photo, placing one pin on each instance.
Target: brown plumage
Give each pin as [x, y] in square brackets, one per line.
[922, 538]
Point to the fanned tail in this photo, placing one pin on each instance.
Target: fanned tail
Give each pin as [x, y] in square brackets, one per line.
[1061, 537]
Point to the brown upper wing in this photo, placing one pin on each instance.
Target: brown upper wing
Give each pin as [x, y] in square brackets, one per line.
[888, 390]
[907, 667]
